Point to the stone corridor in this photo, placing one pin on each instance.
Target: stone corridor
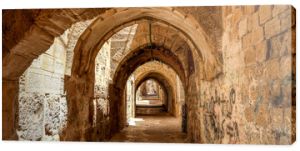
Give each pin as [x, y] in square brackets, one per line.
[154, 128]
[207, 74]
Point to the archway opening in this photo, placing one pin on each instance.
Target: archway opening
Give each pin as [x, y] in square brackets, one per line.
[150, 93]
[177, 48]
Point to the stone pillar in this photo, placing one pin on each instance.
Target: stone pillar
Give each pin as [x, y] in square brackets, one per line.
[184, 118]
[10, 91]
[114, 95]
[80, 113]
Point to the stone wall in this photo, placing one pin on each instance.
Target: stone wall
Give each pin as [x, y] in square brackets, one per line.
[42, 100]
[74, 33]
[252, 102]
[130, 98]
[101, 100]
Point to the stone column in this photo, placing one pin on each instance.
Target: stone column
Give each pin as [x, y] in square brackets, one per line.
[10, 91]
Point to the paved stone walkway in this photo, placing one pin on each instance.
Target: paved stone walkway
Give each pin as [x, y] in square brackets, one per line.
[159, 129]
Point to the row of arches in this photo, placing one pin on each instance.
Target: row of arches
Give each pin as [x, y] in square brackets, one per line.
[190, 42]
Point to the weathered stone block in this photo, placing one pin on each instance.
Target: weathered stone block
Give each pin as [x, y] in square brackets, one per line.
[249, 9]
[250, 56]
[286, 20]
[261, 51]
[272, 27]
[249, 114]
[262, 116]
[246, 41]
[287, 42]
[265, 14]
[272, 71]
[275, 89]
[277, 9]
[243, 27]
[257, 35]
[281, 45]
[276, 117]
[286, 67]
[286, 89]
[276, 46]
[253, 21]
[47, 62]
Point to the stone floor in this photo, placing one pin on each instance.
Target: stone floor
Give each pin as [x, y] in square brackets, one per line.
[161, 128]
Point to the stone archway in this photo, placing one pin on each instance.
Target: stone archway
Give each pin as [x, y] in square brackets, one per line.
[114, 20]
[127, 66]
[90, 43]
[165, 83]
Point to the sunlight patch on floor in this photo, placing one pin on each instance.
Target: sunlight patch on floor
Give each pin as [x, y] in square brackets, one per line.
[132, 121]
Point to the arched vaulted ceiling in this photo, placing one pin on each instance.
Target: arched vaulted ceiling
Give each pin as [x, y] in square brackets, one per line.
[26, 41]
[163, 74]
[150, 33]
[42, 26]
[160, 78]
[158, 68]
[143, 55]
[114, 20]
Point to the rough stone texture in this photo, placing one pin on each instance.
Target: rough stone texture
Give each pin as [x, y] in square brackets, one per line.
[130, 99]
[39, 28]
[212, 25]
[251, 102]
[101, 100]
[121, 42]
[42, 101]
[74, 33]
[237, 69]
[9, 112]
[25, 38]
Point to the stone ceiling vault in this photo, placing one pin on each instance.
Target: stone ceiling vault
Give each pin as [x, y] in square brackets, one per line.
[113, 20]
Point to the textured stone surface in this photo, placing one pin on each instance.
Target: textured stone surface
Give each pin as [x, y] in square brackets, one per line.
[236, 66]
[42, 101]
[246, 104]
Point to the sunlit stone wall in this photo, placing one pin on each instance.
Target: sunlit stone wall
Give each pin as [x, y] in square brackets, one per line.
[42, 100]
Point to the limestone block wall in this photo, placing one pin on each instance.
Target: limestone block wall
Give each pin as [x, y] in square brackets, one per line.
[101, 100]
[253, 101]
[120, 45]
[42, 100]
[74, 33]
[130, 98]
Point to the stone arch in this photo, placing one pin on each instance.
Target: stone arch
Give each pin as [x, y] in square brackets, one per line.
[114, 20]
[41, 29]
[34, 37]
[164, 82]
[170, 74]
[145, 54]
[104, 27]
[149, 33]
[127, 66]
[90, 42]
